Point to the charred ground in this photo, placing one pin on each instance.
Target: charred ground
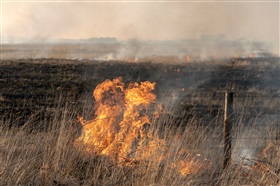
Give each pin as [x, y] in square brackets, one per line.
[30, 88]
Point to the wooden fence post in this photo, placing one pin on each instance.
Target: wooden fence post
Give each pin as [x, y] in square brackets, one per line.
[228, 115]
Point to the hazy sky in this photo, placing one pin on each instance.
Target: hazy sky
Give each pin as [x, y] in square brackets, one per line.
[257, 21]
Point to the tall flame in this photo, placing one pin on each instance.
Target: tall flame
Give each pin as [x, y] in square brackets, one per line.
[120, 128]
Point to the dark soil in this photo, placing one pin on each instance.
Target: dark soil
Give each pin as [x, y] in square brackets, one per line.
[32, 87]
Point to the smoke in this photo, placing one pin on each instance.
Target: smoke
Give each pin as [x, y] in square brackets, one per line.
[41, 21]
[208, 47]
[129, 49]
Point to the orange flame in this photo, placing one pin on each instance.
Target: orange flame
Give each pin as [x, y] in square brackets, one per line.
[187, 58]
[119, 129]
[260, 164]
[235, 56]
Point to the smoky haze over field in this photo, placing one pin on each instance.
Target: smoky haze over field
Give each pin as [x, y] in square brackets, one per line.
[204, 29]
[204, 48]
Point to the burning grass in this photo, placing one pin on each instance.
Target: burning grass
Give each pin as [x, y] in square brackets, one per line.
[123, 137]
[121, 131]
[126, 143]
[53, 157]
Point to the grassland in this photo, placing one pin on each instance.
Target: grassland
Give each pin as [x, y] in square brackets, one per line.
[41, 98]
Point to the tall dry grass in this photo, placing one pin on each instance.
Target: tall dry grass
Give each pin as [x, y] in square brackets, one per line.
[51, 156]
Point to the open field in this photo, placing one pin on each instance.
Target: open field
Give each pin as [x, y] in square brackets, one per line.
[40, 101]
[33, 85]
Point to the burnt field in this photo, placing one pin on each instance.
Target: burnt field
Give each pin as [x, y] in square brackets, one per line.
[31, 87]
[167, 130]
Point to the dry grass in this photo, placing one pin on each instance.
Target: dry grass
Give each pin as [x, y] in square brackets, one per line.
[51, 157]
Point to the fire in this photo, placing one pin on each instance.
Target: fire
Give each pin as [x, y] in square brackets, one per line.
[187, 58]
[251, 55]
[261, 163]
[131, 59]
[270, 147]
[107, 134]
[235, 56]
[186, 167]
[120, 129]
